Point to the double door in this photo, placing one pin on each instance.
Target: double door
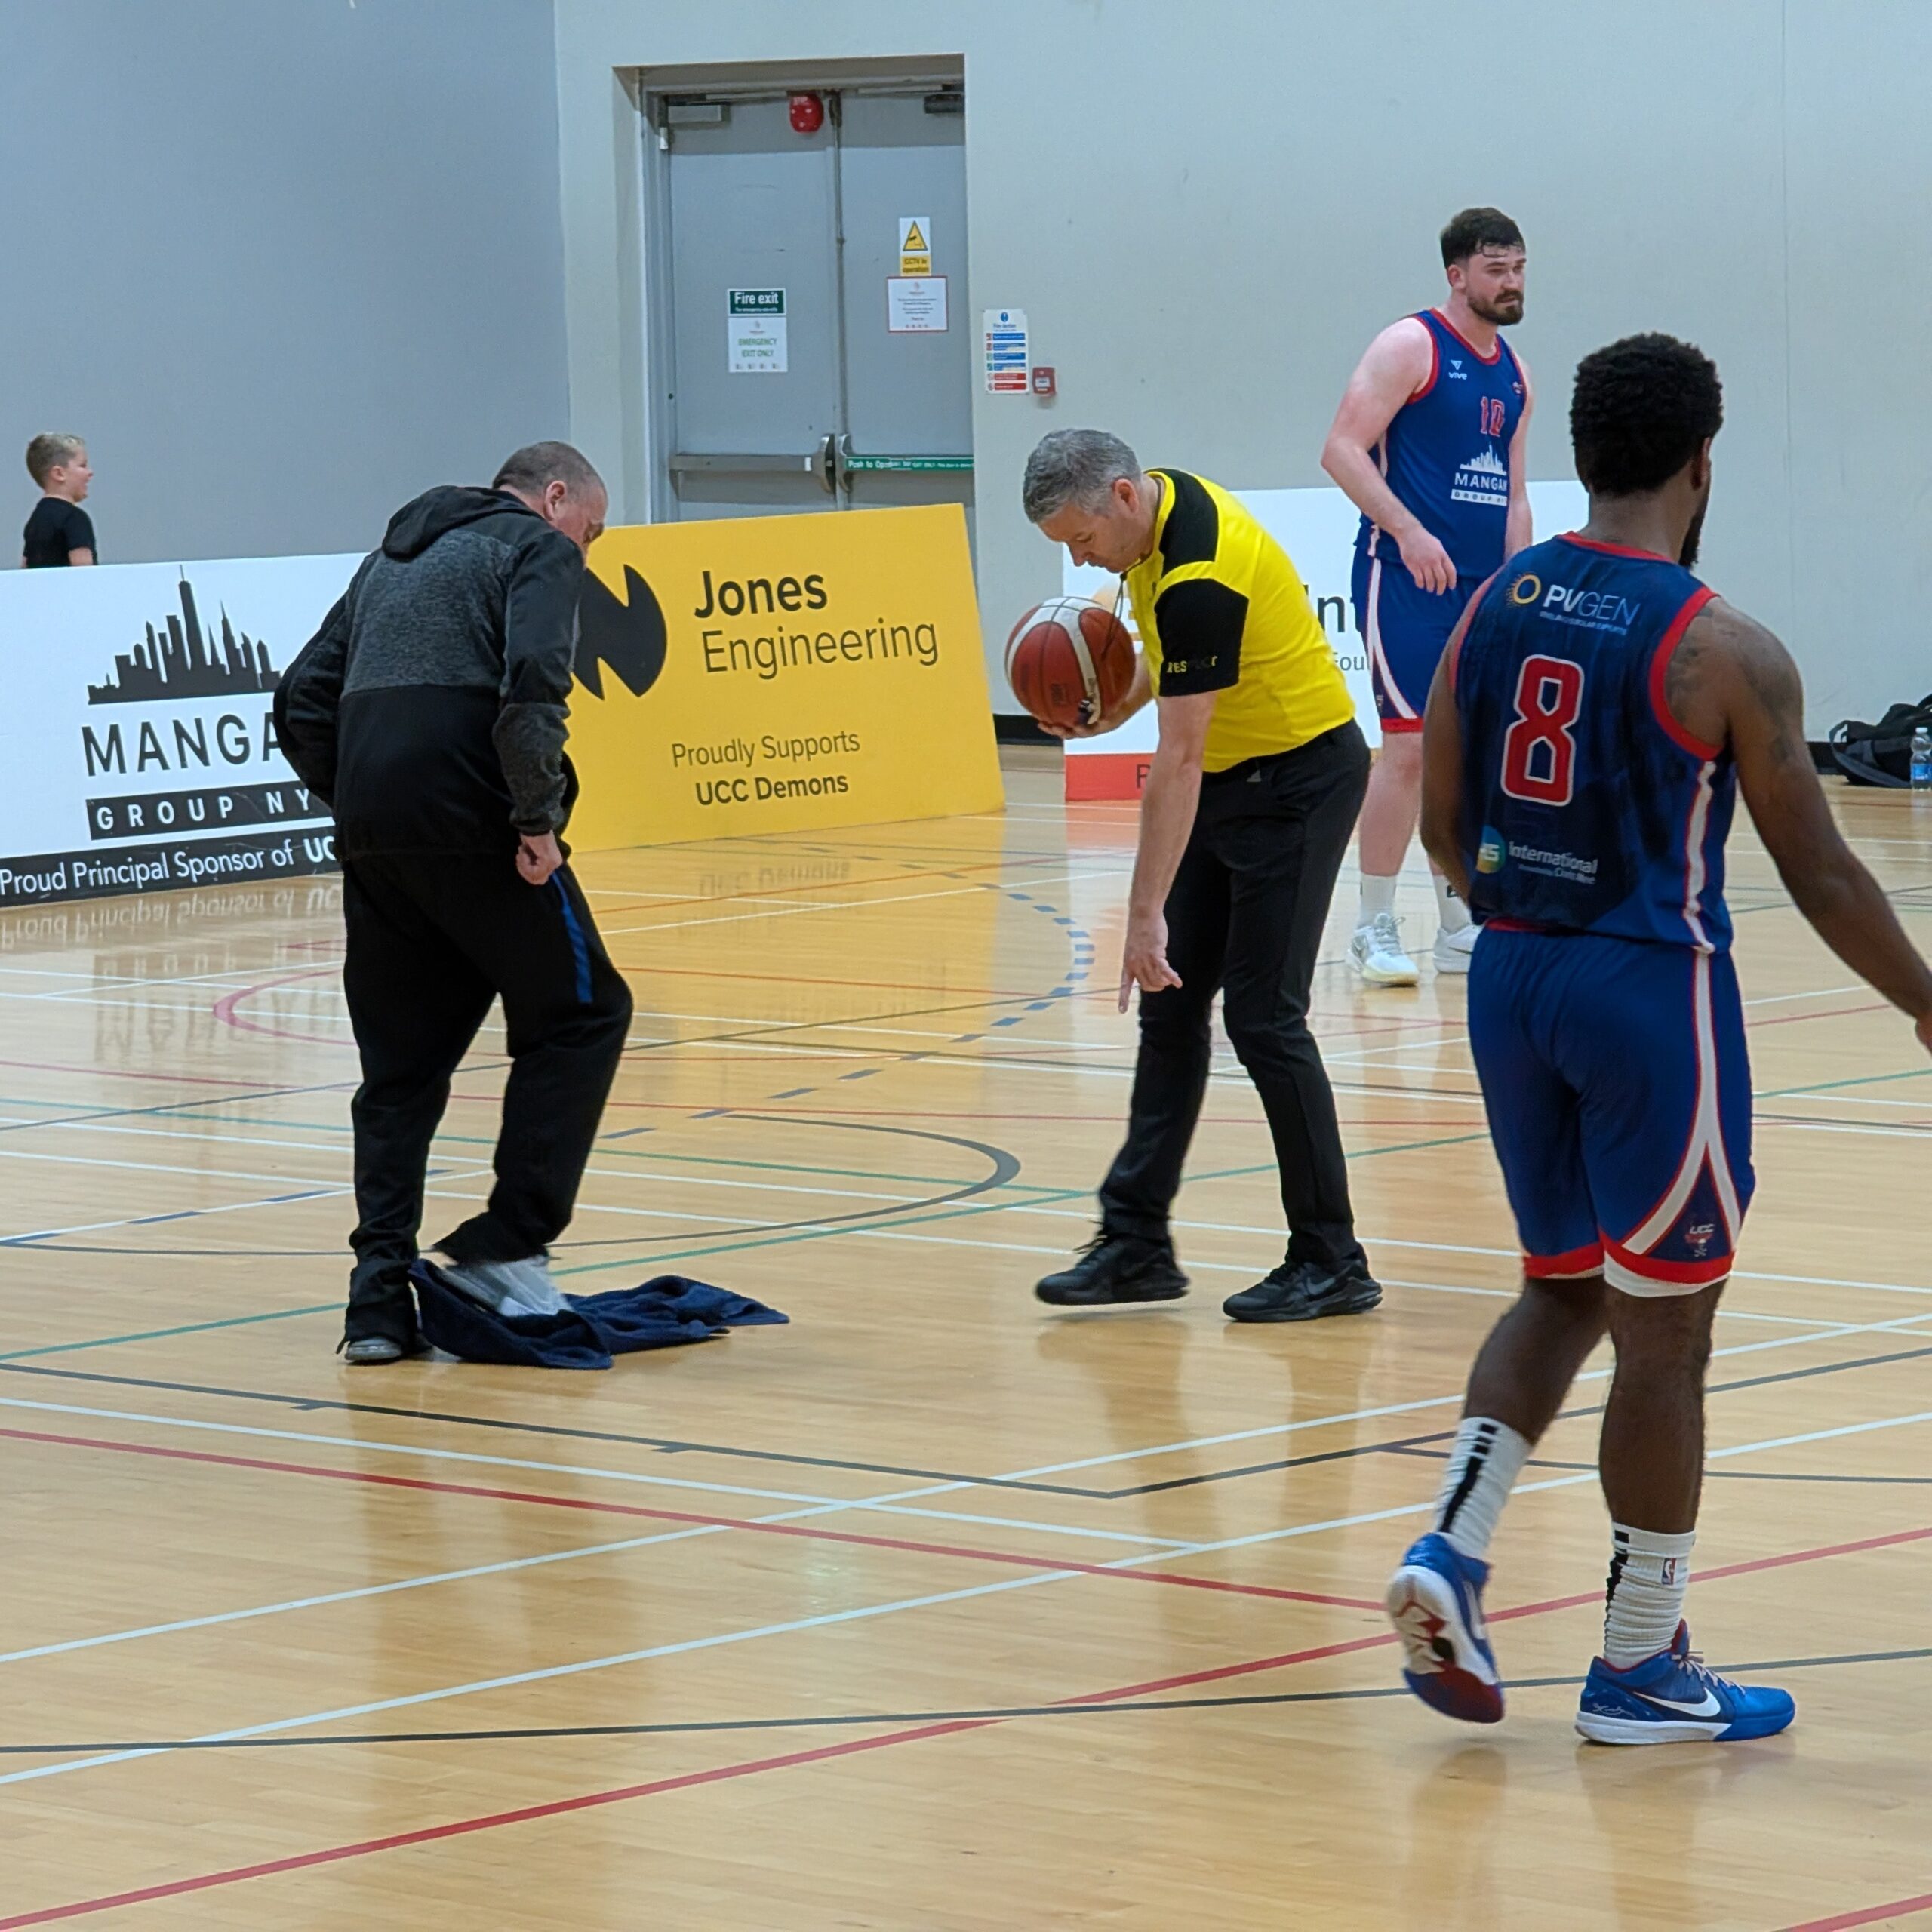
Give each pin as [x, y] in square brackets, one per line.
[814, 333]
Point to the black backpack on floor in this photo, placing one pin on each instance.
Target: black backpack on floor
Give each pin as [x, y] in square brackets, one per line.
[1880, 754]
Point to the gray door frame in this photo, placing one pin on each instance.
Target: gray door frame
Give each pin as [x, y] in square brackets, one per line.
[655, 90]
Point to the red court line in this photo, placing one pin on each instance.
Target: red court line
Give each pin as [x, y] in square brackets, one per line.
[1830, 1013]
[751, 1767]
[336, 1853]
[968, 1552]
[122, 1073]
[1872, 1915]
[226, 1009]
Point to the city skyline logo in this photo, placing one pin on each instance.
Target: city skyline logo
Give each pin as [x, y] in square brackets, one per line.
[182, 660]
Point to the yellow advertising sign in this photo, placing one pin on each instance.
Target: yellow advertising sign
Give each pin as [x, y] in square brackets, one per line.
[779, 674]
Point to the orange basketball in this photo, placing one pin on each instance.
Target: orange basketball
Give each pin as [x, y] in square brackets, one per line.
[1069, 662]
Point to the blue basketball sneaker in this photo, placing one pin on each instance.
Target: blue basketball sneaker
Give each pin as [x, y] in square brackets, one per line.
[1672, 1698]
[1435, 1600]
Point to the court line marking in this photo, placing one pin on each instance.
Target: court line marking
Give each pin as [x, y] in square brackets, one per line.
[1870, 1915]
[822, 1620]
[895, 1504]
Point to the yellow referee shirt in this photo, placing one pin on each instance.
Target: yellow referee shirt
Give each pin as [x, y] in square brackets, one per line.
[1220, 607]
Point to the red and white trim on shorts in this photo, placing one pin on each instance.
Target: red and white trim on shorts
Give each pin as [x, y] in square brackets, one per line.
[1406, 718]
[1574, 1266]
[1629, 1264]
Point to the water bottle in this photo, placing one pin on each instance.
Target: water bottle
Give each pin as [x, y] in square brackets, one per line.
[1921, 759]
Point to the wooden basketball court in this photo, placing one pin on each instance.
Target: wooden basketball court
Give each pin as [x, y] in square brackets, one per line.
[932, 1610]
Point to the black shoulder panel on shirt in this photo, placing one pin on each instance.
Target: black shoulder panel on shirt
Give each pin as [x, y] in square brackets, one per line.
[1193, 525]
[1201, 623]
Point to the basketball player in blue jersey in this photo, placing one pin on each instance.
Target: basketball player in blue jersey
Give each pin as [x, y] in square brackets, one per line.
[1597, 712]
[1429, 443]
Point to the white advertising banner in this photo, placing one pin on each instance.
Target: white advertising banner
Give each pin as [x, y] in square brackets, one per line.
[1317, 527]
[141, 753]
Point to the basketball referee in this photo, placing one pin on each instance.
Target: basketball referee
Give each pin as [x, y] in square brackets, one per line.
[1250, 799]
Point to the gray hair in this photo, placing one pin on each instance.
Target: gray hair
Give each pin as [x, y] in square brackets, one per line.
[537, 465]
[1077, 466]
[45, 454]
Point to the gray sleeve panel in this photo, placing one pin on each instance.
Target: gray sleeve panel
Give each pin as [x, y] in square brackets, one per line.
[435, 619]
[529, 739]
[540, 646]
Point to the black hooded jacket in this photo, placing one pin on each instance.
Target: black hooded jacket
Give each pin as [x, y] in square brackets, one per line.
[429, 709]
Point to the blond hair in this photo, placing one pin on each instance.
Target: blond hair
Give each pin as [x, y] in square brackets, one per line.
[47, 453]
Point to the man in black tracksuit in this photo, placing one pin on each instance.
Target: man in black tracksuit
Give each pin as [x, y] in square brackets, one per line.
[429, 711]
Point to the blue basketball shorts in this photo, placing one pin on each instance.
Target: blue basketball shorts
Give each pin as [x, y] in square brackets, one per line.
[1403, 631]
[1619, 1094]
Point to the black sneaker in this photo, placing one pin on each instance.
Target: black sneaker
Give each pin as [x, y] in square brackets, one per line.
[1116, 1268]
[1302, 1290]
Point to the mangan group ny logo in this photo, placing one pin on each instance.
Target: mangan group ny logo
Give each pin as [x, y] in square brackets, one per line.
[625, 635]
[181, 660]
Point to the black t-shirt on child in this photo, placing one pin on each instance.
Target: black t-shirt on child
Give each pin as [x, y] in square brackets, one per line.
[55, 528]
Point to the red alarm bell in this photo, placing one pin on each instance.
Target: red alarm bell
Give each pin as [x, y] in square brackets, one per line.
[808, 113]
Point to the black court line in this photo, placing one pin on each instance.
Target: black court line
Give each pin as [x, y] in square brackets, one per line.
[668, 1445]
[1006, 1167]
[1410, 1445]
[1407, 1442]
[986, 1714]
[1724, 1475]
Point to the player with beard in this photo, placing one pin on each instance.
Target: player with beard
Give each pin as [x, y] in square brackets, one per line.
[1596, 714]
[1429, 444]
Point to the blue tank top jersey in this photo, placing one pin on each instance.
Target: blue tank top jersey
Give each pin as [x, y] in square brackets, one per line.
[1446, 451]
[1586, 807]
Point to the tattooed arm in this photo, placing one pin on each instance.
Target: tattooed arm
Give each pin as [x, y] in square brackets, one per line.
[1731, 682]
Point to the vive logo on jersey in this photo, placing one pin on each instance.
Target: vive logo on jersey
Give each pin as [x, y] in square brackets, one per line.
[1482, 478]
[1586, 610]
[1492, 852]
[1456, 372]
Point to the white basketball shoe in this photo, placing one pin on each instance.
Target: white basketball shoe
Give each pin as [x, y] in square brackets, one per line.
[1376, 952]
[1454, 950]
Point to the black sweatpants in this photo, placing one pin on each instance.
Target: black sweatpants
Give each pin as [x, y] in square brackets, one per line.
[432, 939]
[1245, 915]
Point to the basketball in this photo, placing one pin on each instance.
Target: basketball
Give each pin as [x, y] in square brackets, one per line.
[1069, 661]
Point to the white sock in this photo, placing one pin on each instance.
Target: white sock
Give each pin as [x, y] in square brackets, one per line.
[1483, 1468]
[1449, 909]
[1378, 895]
[1649, 1572]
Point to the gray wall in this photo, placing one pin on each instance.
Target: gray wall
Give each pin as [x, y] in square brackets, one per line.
[1206, 211]
[283, 262]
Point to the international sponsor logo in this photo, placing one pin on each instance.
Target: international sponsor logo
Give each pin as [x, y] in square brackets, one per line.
[1492, 852]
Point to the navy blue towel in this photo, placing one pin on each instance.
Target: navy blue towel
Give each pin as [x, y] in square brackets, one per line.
[664, 1312]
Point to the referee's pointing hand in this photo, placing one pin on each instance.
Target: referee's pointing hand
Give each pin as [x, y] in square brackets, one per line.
[1145, 963]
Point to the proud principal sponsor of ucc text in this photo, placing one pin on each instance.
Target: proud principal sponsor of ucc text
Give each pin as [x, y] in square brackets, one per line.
[778, 674]
[142, 753]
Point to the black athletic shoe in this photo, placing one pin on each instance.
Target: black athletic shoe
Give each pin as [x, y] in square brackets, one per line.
[1116, 1268]
[1302, 1290]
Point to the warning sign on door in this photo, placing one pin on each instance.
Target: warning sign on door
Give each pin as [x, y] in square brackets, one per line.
[754, 331]
[1006, 351]
[916, 244]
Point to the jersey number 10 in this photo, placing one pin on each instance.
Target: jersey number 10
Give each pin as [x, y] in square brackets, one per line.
[1539, 750]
